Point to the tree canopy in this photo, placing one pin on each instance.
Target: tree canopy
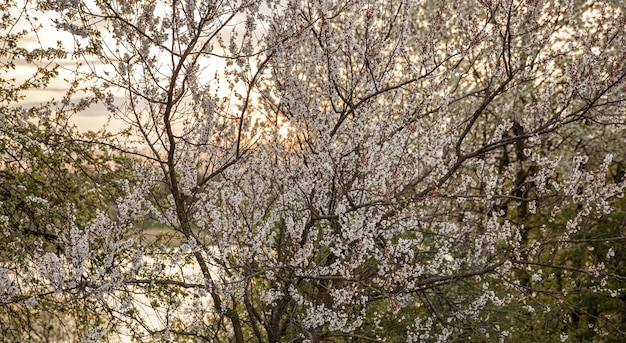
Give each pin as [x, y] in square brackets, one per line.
[317, 171]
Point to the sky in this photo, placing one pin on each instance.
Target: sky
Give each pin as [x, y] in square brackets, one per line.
[96, 116]
[92, 119]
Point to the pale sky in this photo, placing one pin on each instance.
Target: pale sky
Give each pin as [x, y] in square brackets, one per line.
[97, 115]
[92, 119]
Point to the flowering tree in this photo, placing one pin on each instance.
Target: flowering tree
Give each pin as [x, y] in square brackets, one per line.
[365, 170]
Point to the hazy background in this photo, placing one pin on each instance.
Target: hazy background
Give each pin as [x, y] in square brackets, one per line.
[48, 36]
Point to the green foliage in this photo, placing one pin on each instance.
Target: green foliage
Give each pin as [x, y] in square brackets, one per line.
[49, 176]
